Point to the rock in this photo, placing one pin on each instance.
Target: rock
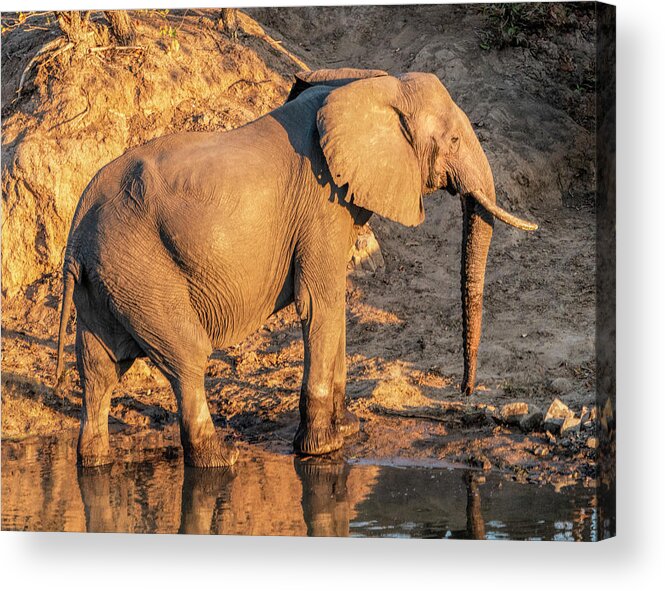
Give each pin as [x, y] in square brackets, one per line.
[562, 386]
[512, 413]
[570, 425]
[141, 369]
[366, 257]
[592, 442]
[558, 410]
[556, 415]
[552, 425]
[528, 417]
[531, 421]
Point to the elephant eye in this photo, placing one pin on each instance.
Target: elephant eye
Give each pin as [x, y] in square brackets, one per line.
[454, 144]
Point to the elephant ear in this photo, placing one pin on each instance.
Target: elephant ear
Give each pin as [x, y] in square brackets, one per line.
[329, 77]
[365, 137]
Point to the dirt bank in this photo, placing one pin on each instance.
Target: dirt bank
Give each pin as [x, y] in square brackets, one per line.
[404, 324]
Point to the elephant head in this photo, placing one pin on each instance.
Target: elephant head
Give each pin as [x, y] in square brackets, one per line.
[395, 139]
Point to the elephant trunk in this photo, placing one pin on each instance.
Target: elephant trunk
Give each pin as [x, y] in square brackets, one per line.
[476, 238]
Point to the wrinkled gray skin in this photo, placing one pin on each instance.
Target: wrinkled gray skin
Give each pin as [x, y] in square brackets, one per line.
[190, 242]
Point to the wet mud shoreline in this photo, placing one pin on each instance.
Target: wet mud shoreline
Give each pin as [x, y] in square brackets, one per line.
[150, 491]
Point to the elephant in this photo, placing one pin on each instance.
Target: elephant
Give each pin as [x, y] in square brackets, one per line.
[190, 242]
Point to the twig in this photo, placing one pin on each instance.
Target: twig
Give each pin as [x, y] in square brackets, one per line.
[48, 47]
[116, 47]
[410, 415]
[17, 23]
[255, 82]
[182, 20]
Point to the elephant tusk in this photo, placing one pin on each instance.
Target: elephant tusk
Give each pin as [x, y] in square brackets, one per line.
[501, 214]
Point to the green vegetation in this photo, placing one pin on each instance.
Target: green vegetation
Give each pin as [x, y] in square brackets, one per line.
[512, 25]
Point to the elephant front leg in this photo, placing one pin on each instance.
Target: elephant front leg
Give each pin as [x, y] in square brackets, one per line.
[346, 423]
[322, 324]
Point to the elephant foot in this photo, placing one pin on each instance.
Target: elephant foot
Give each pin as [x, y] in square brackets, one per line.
[93, 451]
[348, 424]
[210, 452]
[314, 441]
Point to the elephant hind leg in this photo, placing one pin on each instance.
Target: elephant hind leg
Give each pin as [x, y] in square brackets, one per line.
[171, 335]
[201, 445]
[99, 373]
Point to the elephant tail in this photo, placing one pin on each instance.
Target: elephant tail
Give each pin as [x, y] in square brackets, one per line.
[69, 278]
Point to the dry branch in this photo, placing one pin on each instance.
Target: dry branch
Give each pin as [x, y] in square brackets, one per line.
[116, 48]
[45, 49]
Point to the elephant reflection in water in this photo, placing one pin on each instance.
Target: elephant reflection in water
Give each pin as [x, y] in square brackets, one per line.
[95, 486]
[325, 496]
[206, 500]
[205, 497]
[327, 508]
[206, 494]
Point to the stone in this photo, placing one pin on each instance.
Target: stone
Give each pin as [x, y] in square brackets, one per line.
[141, 369]
[531, 421]
[552, 425]
[562, 385]
[592, 442]
[558, 410]
[555, 416]
[570, 425]
[366, 257]
[512, 413]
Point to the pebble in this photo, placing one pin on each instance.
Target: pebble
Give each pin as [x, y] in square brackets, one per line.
[552, 425]
[513, 412]
[562, 385]
[558, 410]
[592, 442]
[555, 416]
[531, 421]
[570, 424]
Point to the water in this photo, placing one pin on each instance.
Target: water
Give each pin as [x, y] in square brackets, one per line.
[151, 491]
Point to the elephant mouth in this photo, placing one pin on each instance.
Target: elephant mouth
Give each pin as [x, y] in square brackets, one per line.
[449, 185]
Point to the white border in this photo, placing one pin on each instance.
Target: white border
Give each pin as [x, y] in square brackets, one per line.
[633, 559]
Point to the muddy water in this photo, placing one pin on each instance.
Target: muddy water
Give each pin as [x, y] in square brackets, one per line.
[267, 494]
